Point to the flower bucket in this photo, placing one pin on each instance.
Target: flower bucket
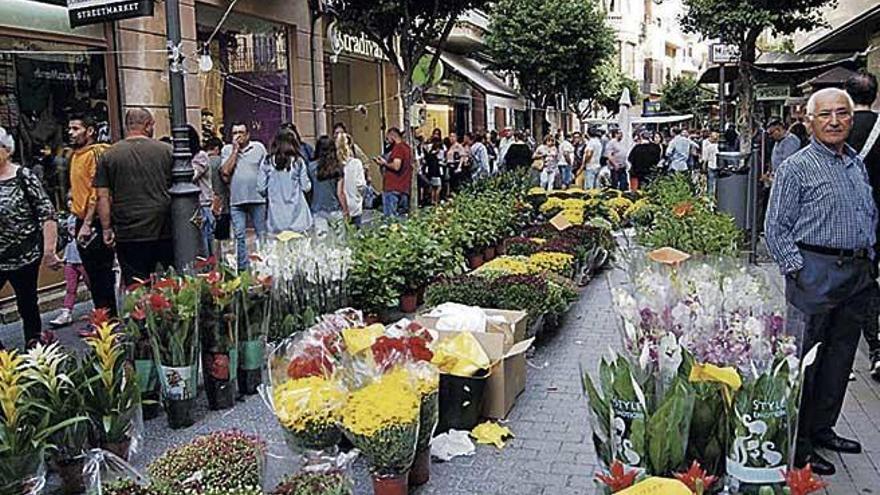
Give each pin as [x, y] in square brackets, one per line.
[23, 474]
[420, 473]
[179, 394]
[391, 484]
[252, 355]
[148, 382]
[220, 380]
[475, 260]
[409, 303]
[461, 401]
[71, 473]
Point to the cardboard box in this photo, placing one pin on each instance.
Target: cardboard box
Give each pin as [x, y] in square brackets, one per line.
[507, 377]
[514, 326]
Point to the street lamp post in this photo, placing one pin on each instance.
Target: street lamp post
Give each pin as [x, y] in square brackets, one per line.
[185, 212]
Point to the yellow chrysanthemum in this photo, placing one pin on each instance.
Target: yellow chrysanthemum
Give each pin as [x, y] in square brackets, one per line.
[551, 204]
[507, 265]
[538, 240]
[306, 402]
[574, 204]
[555, 262]
[392, 400]
[537, 191]
[575, 216]
[619, 204]
[636, 208]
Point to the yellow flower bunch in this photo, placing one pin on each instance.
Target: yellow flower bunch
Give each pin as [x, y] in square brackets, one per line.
[555, 262]
[574, 204]
[538, 240]
[389, 401]
[423, 383]
[507, 265]
[594, 192]
[11, 375]
[551, 204]
[636, 208]
[619, 204]
[537, 191]
[104, 344]
[308, 402]
[575, 216]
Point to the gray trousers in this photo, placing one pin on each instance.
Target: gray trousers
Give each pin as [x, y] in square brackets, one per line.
[829, 304]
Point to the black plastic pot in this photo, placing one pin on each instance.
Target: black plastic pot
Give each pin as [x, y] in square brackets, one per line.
[221, 393]
[180, 413]
[249, 381]
[150, 404]
[461, 401]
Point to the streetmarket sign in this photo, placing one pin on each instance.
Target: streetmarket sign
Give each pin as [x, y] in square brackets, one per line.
[84, 12]
[723, 54]
[770, 93]
[352, 45]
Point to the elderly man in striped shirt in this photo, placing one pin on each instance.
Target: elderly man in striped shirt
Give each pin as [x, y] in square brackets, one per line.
[820, 229]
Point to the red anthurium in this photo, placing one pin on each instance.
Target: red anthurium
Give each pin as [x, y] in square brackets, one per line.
[166, 283]
[202, 263]
[159, 302]
[802, 481]
[387, 351]
[138, 313]
[418, 349]
[213, 277]
[696, 479]
[220, 367]
[618, 478]
[265, 280]
[135, 286]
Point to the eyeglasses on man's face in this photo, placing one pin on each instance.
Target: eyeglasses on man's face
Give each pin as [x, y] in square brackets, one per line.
[840, 114]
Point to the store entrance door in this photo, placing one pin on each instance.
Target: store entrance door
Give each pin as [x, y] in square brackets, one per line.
[461, 112]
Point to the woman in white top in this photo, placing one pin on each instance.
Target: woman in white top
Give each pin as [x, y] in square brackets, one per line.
[354, 183]
[549, 153]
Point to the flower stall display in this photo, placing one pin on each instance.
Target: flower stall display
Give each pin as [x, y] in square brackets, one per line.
[218, 329]
[252, 314]
[382, 419]
[305, 391]
[330, 477]
[134, 317]
[172, 310]
[112, 396]
[25, 428]
[309, 278]
[227, 461]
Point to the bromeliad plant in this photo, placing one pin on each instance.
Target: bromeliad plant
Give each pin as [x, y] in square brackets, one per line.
[25, 420]
[112, 395]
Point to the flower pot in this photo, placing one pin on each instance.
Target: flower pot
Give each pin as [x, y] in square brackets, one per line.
[475, 260]
[22, 474]
[420, 472]
[151, 405]
[71, 473]
[420, 295]
[148, 381]
[219, 384]
[500, 249]
[180, 412]
[250, 370]
[489, 253]
[120, 449]
[391, 484]
[461, 401]
[372, 319]
[409, 302]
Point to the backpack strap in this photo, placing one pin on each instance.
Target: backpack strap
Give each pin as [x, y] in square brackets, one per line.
[872, 139]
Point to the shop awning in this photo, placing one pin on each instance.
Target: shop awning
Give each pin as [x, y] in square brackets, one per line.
[784, 68]
[476, 73]
[853, 35]
[830, 78]
[662, 119]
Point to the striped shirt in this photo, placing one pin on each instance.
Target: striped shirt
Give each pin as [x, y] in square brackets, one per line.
[821, 198]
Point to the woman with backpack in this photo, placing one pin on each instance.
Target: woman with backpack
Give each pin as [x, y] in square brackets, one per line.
[28, 233]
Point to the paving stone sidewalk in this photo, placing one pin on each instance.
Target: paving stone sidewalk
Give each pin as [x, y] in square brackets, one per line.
[551, 454]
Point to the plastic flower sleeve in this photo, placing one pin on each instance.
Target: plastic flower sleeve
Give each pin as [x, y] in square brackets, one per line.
[103, 469]
[23, 474]
[324, 475]
[382, 419]
[305, 392]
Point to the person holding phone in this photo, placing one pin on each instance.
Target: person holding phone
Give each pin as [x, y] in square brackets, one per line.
[397, 176]
[241, 169]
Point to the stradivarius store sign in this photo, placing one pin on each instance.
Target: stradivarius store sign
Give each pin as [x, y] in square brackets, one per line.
[83, 12]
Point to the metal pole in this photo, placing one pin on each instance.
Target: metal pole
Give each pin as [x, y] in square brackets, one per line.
[722, 114]
[186, 217]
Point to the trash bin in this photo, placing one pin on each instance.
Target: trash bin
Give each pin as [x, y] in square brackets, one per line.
[461, 401]
[732, 189]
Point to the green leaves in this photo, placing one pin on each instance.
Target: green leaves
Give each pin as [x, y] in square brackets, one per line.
[668, 427]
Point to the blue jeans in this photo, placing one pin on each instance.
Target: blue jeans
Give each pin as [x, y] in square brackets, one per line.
[208, 224]
[565, 171]
[711, 182]
[395, 204]
[240, 214]
[619, 179]
[590, 178]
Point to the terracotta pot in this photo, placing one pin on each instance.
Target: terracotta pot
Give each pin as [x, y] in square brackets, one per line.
[409, 302]
[118, 448]
[71, 474]
[489, 253]
[420, 472]
[500, 249]
[420, 295]
[391, 484]
[475, 260]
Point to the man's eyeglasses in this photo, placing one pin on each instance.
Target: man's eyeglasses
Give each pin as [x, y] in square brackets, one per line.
[829, 114]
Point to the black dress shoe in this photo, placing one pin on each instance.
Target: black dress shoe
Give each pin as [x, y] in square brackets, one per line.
[839, 444]
[820, 465]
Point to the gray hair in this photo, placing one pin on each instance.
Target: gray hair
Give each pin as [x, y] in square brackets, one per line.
[7, 141]
[811, 103]
[137, 118]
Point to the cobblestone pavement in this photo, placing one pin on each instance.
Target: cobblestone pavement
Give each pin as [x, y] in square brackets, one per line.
[551, 454]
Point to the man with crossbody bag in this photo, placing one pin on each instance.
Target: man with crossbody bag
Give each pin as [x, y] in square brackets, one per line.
[865, 139]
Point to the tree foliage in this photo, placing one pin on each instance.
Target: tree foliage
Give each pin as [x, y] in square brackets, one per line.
[552, 46]
[684, 95]
[740, 22]
[610, 81]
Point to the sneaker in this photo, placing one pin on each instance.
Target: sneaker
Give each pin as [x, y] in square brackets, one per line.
[875, 366]
[64, 318]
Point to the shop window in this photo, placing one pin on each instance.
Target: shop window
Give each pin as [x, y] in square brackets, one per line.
[39, 91]
[250, 81]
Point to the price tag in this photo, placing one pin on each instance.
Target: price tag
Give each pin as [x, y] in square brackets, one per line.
[560, 222]
[657, 486]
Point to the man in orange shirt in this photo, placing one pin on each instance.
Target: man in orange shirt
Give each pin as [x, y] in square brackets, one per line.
[97, 258]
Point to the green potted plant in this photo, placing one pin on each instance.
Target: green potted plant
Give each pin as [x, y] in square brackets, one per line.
[139, 348]
[25, 428]
[172, 321]
[219, 333]
[112, 396]
[253, 320]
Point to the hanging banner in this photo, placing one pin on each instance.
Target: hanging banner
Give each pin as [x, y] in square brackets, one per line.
[83, 12]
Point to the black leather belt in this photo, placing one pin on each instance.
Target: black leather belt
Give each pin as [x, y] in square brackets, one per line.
[840, 253]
